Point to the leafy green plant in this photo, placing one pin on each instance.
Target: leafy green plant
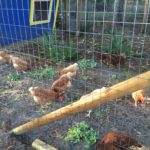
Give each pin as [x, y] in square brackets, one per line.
[56, 50]
[118, 45]
[82, 132]
[87, 63]
[114, 76]
[13, 77]
[47, 73]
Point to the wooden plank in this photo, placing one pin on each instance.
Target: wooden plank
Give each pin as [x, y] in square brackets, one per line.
[78, 16]
[40, 145]
[145, 15]
[116, 91]
[65, 14]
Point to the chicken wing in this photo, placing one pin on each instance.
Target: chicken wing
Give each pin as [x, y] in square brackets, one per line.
[42, 95]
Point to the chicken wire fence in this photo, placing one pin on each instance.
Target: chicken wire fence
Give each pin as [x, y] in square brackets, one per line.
[109, 40]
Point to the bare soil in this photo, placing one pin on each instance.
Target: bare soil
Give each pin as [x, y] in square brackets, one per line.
[17, 107]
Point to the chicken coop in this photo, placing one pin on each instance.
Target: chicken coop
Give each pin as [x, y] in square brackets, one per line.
[74, 74]
[26, 20]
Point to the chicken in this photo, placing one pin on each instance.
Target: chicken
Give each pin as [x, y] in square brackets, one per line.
[117, 141]
[114, 59]
[42, 96]
[19, 64]
[108, 146]
[138, 96]
[5, 57]
[62, 84]
[72, 68]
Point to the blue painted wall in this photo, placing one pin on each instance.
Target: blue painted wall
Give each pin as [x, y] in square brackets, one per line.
[14, 22]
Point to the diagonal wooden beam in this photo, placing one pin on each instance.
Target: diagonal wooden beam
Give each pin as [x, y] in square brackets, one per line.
[116, 91]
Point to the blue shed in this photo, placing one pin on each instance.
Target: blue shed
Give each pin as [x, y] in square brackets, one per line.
[26, 19]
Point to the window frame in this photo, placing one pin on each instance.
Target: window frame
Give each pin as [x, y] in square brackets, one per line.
[55, 14]
[32, 12]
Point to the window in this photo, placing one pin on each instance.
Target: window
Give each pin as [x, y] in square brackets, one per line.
[40, 11]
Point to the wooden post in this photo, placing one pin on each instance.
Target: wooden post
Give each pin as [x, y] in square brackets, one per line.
[40, 145]
[56, 14]
[120, 11]
[65, 14]
[146, 5]
[78, 16]
[116, 91]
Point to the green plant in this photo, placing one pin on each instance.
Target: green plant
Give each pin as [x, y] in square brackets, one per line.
[13, 77]
[125, 74]
[101, 112]
[146, 66]
[118, 45]
[47, 73]
[82, 132]
[87, 63]
[114, 76]
[57, 50]
[87, 27]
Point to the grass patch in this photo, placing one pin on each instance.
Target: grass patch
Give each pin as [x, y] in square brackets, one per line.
[117, 45]
[57, 50]
[87, 63]
[82, 132]
[13, 77]
[47, 73]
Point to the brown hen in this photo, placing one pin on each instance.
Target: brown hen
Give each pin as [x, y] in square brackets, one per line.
[114, 59]
[19, 64]
[108, 146]
[5, 57]
[41, 95]
[119, 140]
[62, 84]
[72, 68]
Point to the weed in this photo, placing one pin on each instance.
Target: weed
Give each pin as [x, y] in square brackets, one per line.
[57, 50]
[47, 73]
[87, 27]
[118, 45]
[17, 97]
[82, 132]
[114, 76]
[13, 77]
[146, 66]
[125, 74]
[87, 63]
[101, 112]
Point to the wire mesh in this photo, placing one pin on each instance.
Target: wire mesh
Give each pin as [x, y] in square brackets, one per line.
[108, 39]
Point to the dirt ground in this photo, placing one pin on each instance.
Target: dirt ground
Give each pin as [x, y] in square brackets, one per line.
[17, 107]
